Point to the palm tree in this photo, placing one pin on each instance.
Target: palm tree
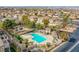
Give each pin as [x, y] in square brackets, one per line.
[48, 44]
[65, 20]
[64, 36]
[18, 37]
[46, 22]
[26, 43]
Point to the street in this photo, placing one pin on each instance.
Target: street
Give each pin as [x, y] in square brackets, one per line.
[64, 48]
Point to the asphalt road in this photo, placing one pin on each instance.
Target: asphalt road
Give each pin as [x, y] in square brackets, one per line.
[73, 39]
[75, 49]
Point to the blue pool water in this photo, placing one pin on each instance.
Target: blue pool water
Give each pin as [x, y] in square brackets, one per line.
[38, 38]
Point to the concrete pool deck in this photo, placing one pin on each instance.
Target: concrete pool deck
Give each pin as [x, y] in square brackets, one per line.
[48, 37]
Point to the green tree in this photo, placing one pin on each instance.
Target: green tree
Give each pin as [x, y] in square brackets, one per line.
[24, 17]
[9, 24]
[1, 24]
[61, 13]
[55, 28]
[64, 36]
[39, 26]
[46, 22]
[13, 47]
[25, 20]
[31, 24]
[18, 37]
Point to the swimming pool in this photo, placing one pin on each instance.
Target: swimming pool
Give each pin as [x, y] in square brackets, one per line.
[38, 38]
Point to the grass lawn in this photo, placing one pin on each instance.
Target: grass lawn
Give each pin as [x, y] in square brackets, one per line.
[18, 37]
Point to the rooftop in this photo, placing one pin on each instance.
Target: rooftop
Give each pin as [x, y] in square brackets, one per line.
[1, 43]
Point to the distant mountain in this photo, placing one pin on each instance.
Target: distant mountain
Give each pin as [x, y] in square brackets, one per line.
[56, 7]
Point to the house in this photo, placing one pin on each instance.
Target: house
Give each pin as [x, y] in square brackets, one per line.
[40, 20]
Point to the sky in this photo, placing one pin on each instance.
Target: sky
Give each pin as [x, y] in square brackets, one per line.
[39, 2]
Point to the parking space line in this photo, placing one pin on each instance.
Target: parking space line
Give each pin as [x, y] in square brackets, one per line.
[73, 47]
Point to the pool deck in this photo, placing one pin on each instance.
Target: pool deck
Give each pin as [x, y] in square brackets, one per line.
[48, 37]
